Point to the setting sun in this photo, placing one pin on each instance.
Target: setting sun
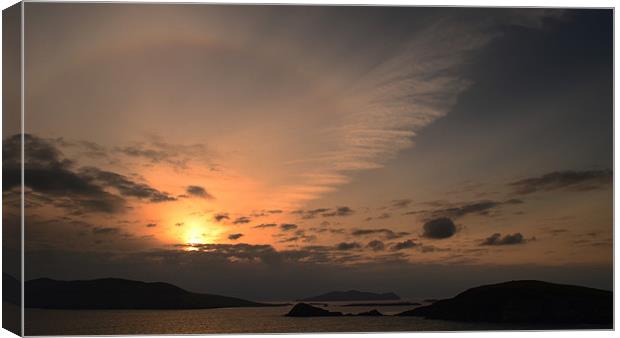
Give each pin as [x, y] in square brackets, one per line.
[199, 232]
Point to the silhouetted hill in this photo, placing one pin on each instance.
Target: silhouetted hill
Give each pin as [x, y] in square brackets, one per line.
[526, 301]
[112, 293]
[351, 295]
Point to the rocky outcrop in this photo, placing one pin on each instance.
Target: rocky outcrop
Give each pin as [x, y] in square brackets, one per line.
[307, 310]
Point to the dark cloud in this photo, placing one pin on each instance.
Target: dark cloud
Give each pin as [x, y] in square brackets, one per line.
[341, 211]
[266, 225]
[157, 151]
[87, 148]
[150, 154]
[399, 204]
[242, 220]
[105, 231]
[151, 225]
[325, 212]
[330, 230]
[376, 245]
[309, 214]
[564, 180]
[300, 235]
[408, 244]
[497, 239]
[234, 237]
[482, 208]
[198, 191]
[288, 226]
[125, 186]
[439, 228]
[221, 216]
[52, 176]
[387, 233]
[344, 246]
[263, 213]
[241, 251]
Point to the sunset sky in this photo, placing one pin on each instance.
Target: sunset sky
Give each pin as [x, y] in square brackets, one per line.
[273, 152]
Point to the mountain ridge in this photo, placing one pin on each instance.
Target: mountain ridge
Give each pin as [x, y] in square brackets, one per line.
[118, 293]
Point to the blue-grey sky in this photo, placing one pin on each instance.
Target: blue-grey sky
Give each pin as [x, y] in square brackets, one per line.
[415, 150]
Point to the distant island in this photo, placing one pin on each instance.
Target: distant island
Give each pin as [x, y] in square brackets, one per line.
[351, 296]
[526, 301]
[114, 293]
[384, 304]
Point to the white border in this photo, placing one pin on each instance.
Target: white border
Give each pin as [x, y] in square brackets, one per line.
[476, 3]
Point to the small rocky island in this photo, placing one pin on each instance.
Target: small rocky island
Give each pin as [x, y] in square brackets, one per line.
[307, 310]
[526, 301]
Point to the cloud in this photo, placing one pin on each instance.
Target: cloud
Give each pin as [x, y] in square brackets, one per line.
[125, 186]
[150, 154]
[439, 228]
[300, 235]
[179, 224]
[288, 226]
[105, 231]
[387, 233]
[376, 245]
[408, 244]
[325, 212]
[242, 220]
[157, 151]
[330, 230]
[151, 225]
[309, 214]
[399, 204]
[482, 208]
[52, 177]
[263, 213]
[344, 246]
[564, 180]
[341, 211]
[221, 216]
[234, 237]
[266, 225]
[497, 239]
[198, 191]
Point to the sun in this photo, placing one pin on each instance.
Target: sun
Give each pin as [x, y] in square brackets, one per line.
[196, 232]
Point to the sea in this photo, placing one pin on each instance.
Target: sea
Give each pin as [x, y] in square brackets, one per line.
[237, 320]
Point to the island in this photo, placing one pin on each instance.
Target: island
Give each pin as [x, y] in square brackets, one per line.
[524, 301]
[384, 304]
[307, 310]
[351, 296]
[114, 293]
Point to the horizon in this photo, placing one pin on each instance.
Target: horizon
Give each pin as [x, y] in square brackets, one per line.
[415, 150]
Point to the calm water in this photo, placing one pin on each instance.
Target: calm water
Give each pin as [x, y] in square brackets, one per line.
[234, 320]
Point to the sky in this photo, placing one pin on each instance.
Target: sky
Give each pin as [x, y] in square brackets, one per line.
[275, 152]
